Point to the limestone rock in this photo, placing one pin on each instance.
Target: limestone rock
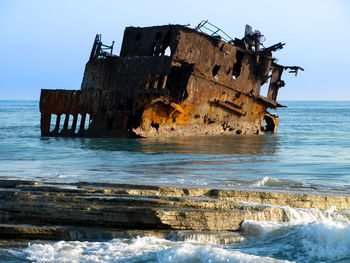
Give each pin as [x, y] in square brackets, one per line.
[58, 209]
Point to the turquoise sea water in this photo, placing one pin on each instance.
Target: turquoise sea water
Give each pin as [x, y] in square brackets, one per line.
[311, 151]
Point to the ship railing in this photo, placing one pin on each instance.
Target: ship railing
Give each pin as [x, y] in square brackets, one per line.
[208, 28]
[99, 49]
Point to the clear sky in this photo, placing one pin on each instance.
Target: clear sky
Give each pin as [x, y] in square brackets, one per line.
[46, 43]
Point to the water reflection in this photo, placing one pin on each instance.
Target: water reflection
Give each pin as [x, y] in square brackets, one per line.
[213, 145]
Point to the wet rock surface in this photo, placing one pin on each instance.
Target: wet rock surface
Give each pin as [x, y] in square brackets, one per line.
[75, 211]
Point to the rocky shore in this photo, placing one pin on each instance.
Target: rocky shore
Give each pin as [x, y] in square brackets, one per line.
[75, 211]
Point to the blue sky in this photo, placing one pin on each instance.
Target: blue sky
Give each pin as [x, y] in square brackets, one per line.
[46, 44]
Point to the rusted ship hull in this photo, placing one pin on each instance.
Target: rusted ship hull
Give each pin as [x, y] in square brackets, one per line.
[202, 86]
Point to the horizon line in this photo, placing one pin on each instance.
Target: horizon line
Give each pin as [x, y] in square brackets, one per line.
[278, 100]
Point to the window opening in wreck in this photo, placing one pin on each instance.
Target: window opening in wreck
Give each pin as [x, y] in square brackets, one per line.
[157, 47]
[215, 71]
[53, 122]
[79, 117]
[62, 121]
[177, 81]
[264, 89]
[160, 48]
[238, 65]
[167, 51]
[87, 121]
[70, 122]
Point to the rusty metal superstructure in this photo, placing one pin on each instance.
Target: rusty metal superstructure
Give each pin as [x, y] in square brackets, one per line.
[170, 80]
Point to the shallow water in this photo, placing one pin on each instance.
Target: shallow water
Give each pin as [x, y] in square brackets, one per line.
[311, 151]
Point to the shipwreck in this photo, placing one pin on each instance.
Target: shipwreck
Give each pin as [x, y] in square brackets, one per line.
[170, 80]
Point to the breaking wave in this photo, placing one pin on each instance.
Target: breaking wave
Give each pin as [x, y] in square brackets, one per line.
[144, 249]
[310, 236]
[270, 181]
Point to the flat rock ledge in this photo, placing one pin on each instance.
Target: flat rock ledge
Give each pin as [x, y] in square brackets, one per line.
[75, 211]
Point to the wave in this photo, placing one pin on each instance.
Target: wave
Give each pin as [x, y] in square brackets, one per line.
[146, 249]
[319, 241]
[270, 181]
[293, 217]
[266, 181]
[309, 236]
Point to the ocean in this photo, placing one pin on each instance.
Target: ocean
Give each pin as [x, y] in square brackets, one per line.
[310, 151]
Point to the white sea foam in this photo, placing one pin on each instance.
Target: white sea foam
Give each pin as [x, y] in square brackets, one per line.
[294, 216]
[137, 250]
[326, 239]
[314, 235]
[111, 251]
[188, 252]
[303, 216]
[309, 236]
[206, 237]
